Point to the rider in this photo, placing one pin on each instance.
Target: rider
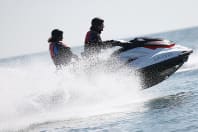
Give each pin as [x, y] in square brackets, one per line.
[93, 41]
[60, 53]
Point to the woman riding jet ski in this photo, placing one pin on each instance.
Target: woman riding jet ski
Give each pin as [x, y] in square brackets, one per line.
[60, 53]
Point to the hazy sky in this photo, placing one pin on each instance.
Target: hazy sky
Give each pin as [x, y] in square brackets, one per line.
[25, 25]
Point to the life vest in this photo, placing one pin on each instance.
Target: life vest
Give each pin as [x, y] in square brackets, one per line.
[60, 54]
[92, 42]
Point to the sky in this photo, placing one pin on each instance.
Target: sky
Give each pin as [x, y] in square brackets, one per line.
[26, 25]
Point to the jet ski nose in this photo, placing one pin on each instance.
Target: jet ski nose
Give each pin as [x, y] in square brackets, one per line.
[187, 52]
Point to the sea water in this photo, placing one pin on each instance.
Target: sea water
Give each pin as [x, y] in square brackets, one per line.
[36, 97]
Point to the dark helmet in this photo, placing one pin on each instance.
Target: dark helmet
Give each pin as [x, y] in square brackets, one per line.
[56, 33]
[97, 21]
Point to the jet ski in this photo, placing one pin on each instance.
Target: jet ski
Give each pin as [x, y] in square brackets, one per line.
[154, 59]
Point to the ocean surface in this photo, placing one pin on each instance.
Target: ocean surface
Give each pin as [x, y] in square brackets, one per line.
[35, 97]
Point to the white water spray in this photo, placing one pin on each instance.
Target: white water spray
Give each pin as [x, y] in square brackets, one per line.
[36, 93]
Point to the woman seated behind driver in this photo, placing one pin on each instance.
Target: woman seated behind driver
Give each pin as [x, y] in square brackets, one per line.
[60, 53]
